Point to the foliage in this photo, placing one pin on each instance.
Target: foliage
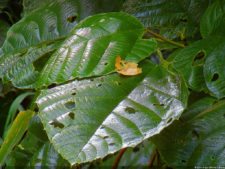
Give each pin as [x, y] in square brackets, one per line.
[66, 103]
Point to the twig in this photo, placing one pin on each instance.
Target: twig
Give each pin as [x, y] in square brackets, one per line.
[152, 159]
[118, 158]
[165, 39]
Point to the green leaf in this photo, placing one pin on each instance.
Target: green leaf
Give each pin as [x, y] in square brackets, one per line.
[199, 141]
[91, 118]
[48, 157]
[3, 29]
[15, 133]
[176, 18]
[32, 40]
[93, 46]
[213, 20]
[214, 70]
[15, 106]
[190, 61]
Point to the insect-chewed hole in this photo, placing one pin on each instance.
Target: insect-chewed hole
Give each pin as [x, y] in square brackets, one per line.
[99, 85]
[183, 161]
[130, 110]
[71, 115]
[106, 63]
[199, 58]
[183, 20]
[111, 144]
[74, 93]
[70, 105]
[102, 127]
[215, 77]
[56, 123]
[105, 137]
[72, 18]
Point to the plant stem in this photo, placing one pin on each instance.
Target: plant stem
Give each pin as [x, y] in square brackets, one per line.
[165, 39]
[152, 159]
[118, 158]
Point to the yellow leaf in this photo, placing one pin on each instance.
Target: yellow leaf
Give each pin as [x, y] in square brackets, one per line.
[127, 68]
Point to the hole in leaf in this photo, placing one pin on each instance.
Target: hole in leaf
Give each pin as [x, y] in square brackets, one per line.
[195, 134]
[70, 105]
[183, 161]
[52, 85]
[130, 110]
[71, 115]
[102, 127]
[106, 63]
[224, 115]
[215, 77]
[74, 93]
[213, 157]
[199, 58]
[169, 120]
[183, 20]
[71, 19]
[56, 123]
[105, 137]
[136, 149]
[91, 80]
[99, 85]
[161, 104]
[41, 61]
[111, 144]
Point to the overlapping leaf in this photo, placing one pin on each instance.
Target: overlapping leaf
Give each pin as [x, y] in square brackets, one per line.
[176, 18]
[199, 141]
[93, 46]
[213, 20]
[91, 118]
[41, 31]
[190, 61]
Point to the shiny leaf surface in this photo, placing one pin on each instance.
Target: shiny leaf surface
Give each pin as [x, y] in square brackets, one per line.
[91, 118]
[93, 46]
[199, 141]
[213, 20]
[176, 18]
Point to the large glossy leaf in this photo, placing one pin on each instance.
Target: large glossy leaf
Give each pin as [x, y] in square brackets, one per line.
[190, 61]
[91, 118]
[173, 18]
[93, 46]
[214, 70]
[213, 20]
[199, 141]
[32, 40]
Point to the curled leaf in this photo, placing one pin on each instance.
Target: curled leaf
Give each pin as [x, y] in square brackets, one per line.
[127, 68]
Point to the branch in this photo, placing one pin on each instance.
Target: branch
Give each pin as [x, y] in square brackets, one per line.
[118, 158]
[165, 39]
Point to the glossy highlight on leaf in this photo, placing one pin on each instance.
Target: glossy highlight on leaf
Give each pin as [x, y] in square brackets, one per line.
[127, 68]
[111, 112]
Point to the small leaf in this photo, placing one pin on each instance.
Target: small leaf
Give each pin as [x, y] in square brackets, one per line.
[14, 134]
[127, 68]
